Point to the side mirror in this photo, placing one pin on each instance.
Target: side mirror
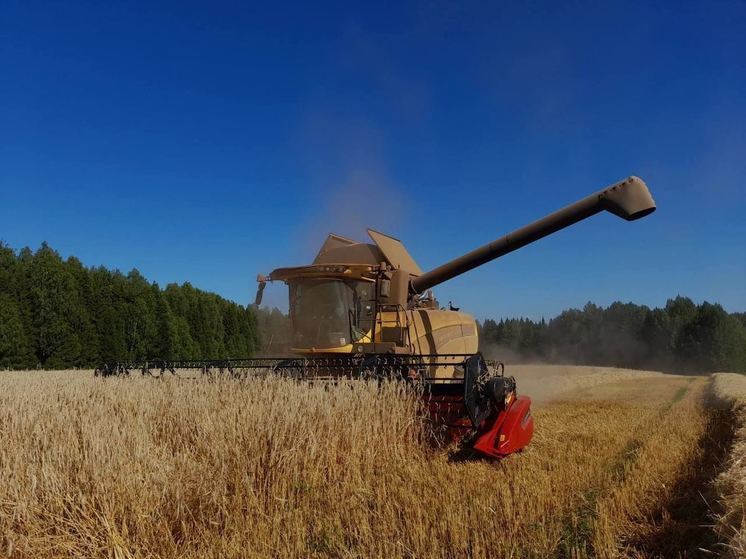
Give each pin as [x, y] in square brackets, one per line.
[260, 290]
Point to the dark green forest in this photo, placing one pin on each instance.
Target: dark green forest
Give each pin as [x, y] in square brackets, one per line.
[682, 337]
[58, 313]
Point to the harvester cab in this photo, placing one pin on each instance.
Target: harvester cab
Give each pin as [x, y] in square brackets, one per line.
[356, 298]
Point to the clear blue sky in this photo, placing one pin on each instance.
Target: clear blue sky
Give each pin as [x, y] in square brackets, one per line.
[209, 141]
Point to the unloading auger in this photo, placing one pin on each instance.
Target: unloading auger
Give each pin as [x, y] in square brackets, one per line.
[366, 311]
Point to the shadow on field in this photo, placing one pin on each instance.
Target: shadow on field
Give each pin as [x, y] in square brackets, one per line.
[464, 454]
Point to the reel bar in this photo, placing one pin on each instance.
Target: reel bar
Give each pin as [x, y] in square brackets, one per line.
[352, 366]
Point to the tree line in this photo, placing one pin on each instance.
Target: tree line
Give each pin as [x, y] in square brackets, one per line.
[682, 336]
[57, 313]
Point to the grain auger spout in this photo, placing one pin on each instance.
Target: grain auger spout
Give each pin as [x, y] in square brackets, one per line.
[365, 311]
[629, 199]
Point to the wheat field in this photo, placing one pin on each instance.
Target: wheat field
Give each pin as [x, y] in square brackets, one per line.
[730, 389]
[137, 468]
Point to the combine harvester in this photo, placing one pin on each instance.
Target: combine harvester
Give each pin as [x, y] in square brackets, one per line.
[366, 311]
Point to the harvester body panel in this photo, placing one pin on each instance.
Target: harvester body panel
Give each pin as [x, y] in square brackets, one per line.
[394, 252]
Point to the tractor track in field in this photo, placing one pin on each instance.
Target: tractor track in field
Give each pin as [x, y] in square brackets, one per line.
[580, 522]
[686, 511]
[577, 541]
[683, 524]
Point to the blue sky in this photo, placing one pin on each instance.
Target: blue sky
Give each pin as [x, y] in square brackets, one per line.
[208, 142]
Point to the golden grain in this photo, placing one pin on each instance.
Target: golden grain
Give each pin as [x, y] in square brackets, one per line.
[176, 468]
[730, 388]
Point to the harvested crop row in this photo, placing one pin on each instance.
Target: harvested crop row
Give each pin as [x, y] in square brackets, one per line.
[730, 389]
[635, 516]
[633, 486]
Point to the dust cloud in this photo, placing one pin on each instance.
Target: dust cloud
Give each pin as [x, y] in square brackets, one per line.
[365, 198]
[546, 383]
[352, 186]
